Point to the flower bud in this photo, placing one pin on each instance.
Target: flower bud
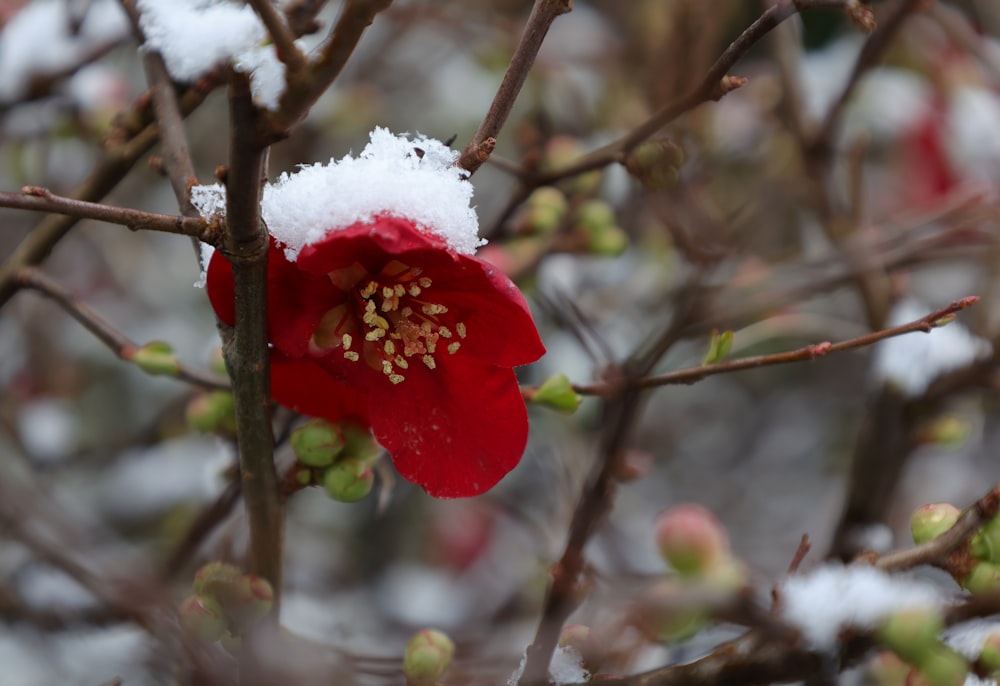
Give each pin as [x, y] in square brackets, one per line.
[231, 643]
[982, 578]
[692, 540]
[246, 600]
[317, 443]
[544, 211]
[155, 358]
[655, 164]
[943, 667]
[557, 393]
[348, 480]
[887, 669]
[985, 545]
[990, 656]
[911, 633]
[930, 521]
[718, 347]
[214, 575]
[428, 654]
[360, 444]
[202, 617]
[212, 412]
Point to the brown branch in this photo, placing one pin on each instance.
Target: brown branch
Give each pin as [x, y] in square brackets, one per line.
[116, 341]
[246, 247]
[203, 524]
[304, 88]
[38, 199]
[937, 550]
[809, 352]
[281, 34]
[542, 15]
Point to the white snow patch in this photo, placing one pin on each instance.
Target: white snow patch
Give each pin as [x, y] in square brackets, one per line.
[823, 602]
[38, 41]
[388, 178]
[193, 36]
[203, 259]
[566, 667]
[913, 361]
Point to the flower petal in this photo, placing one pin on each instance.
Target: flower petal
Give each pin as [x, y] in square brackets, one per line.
[301, 385]
[297, 300]
[500, 328]
[455, 432]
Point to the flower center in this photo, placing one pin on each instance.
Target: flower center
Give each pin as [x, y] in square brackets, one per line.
[388, 321]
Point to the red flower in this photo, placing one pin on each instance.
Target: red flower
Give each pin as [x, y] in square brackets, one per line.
[383, 324]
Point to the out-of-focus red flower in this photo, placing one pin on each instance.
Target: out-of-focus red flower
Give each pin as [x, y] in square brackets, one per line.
[383, 324]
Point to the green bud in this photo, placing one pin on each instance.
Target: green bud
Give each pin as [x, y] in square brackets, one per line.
[231, 643]
[943, 667]
[360, 444]
[202, 617]
[428, 655]
[887, 669]
[692, 540]
[655, 164]
[985, 545]
[213, 575]
[930, 521]
[317, 443]
[596, 221]
[557, 393]
[946, 430]
[911, 633]
[983, 578]
[719, 346]
[156, 358]
[681, 624]
[990, 656]
[212, 412]
[348, 480]
[304, 477]
[544, 210]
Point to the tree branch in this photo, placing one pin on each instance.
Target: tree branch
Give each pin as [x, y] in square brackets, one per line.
[38, 199]
[542, 15]
[281, 34]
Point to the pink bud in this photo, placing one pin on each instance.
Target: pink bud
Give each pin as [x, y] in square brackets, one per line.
[691, 539]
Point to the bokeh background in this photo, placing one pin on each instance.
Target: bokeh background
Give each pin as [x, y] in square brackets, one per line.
[794, 243]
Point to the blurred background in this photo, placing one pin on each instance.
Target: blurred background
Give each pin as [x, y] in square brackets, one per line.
[780, 221]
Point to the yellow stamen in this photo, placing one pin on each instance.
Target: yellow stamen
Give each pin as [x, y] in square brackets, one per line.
[396, 378]
[460, 327]
[352, 356]
[401, 363]
[429, 361]
[346, 339]
[389, 347]
[453, 347]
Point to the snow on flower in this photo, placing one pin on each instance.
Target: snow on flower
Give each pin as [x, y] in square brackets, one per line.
[379, 314]
[914, 361]
[825, 601]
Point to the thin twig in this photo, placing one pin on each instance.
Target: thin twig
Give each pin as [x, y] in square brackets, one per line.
[281, 34]
[38, 199]
[809, 352]
[542, 15]
[115, 340]
[304, 88]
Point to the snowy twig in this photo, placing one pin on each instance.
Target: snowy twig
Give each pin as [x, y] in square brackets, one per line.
[542, 15]
[937, 551]
[117, 162]
[176, 152]
[809, 352]
[116, 341]
[38, 199]
[246, 246]
[281, 34]
[304, 88]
